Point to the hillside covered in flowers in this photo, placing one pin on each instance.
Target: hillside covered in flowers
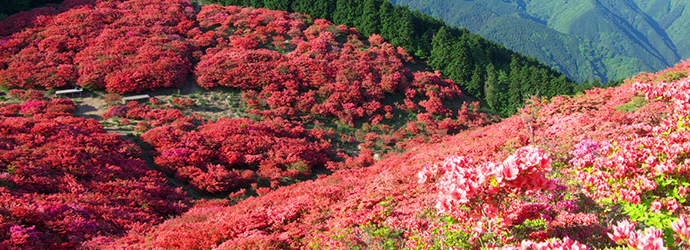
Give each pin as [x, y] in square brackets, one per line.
[337, 144]
[601, 169]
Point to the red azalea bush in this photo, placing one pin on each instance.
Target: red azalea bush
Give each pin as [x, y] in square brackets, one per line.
[233, 153]
[183, 102]
[121, 47]
[24, 95]
[59, 106]
[148, 118]
[66, 182]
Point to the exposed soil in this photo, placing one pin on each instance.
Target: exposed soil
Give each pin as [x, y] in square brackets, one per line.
[210, 103]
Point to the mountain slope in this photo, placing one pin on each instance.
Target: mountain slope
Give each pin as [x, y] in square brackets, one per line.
[385, 206]
[564, 172]
[674, 17]
[584, 39]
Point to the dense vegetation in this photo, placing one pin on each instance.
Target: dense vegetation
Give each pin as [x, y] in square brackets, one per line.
[586, 40]
[517, 184]
[465, 58]
[317, 84]
[336, 143]
[65, 182]
[128, 49]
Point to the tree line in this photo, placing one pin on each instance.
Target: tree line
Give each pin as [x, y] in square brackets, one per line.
[9, 7]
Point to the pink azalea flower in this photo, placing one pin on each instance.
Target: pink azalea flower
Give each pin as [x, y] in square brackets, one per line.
[621, 232]
[680, 226]
[671, 204]
[656, 206]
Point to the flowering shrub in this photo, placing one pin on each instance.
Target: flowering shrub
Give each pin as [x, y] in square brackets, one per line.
[480, 193]
[231, 153]
[25, 95]
[66, 182]
[645, 175]
[53, 106]
[148, 118]
[127, 46]
[566, 243]
[183, 102]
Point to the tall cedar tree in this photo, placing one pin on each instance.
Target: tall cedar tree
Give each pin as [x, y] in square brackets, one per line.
[516, 79]
[277, 5]
[502, 96]
[474, 87]
[459, 68]
[404, 34]
[370, 23]
[441, 51]
[491, 87]
[388, 22]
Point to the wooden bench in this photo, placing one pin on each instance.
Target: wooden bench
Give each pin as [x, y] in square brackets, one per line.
[69, 91]
[135, 98]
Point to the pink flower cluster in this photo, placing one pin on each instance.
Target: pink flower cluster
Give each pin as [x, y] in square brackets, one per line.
[680, 226]
[650, 238]
[563, 244]
[586, 150]
[524, 170]
[483, 188]
[677, 92]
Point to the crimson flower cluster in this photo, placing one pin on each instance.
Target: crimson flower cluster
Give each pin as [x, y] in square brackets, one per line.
[230, 154]
[65, 181]
[127, 46]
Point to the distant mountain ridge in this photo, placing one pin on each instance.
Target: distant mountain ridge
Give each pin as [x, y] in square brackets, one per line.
[595, 39]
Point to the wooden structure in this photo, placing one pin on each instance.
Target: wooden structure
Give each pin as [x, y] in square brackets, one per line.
[135, 98]
[69, 91]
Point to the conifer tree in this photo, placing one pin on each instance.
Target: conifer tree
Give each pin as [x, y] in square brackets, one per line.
[502, 93]
[343, 12]
[388, 22]
[475, 85]
[277, 5]
[441, 50]
[563, 86]
[459, 69]
[515, 80]
[370, 22]
[491, 87]
[404, 32]
[527, 80]
[304, 6]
